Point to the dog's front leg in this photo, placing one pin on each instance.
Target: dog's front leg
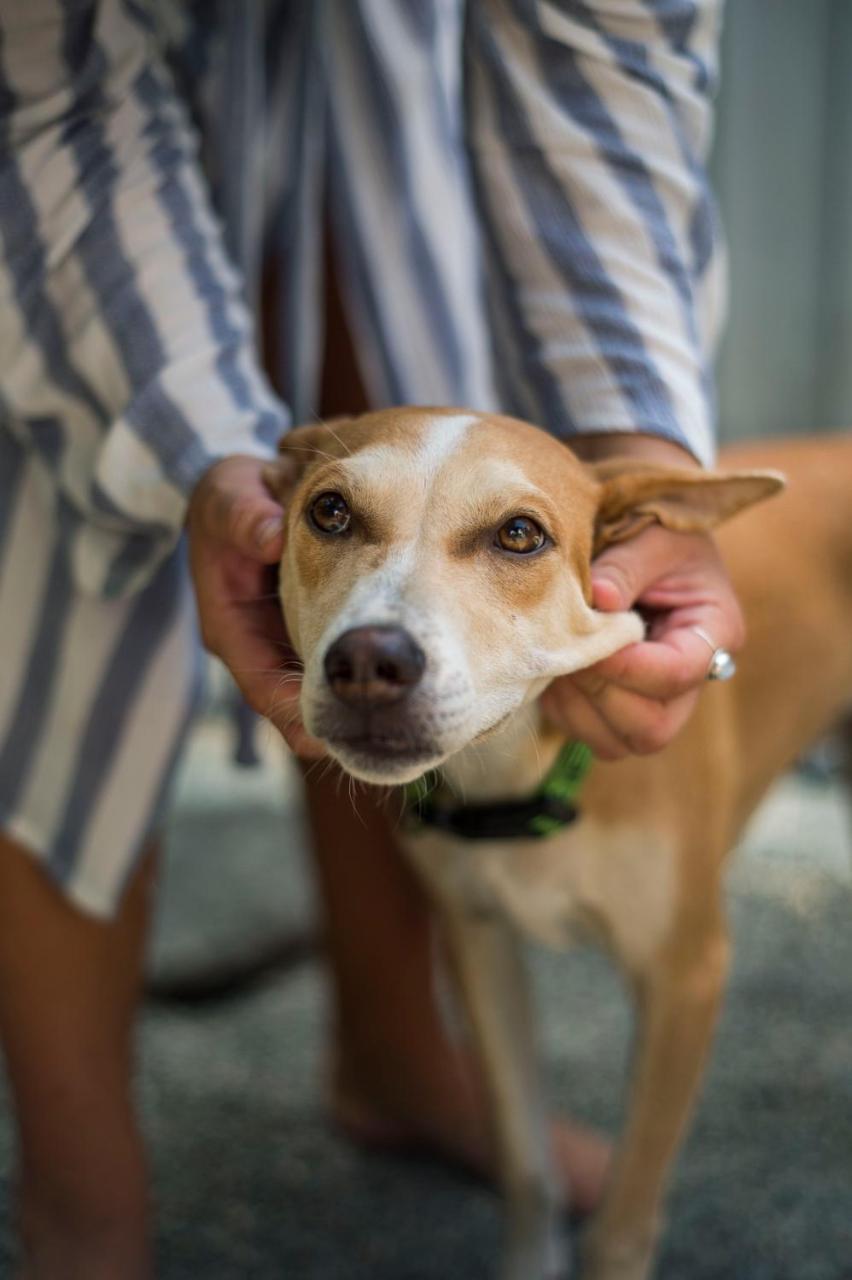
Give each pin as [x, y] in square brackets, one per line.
[678, 999]
[489, 965]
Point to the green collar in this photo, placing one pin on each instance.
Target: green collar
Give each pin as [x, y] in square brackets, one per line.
[550, 809]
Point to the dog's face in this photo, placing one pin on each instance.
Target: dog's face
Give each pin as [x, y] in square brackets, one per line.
[435, 578]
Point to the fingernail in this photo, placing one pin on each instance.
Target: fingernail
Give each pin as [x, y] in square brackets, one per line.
[270, 529]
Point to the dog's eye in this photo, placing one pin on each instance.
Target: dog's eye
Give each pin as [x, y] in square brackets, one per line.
[521, 535]
[329, 513]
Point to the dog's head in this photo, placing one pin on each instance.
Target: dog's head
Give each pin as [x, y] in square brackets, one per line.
[436, 573]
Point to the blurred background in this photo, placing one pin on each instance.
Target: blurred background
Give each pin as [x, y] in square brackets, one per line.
[252, 1180]
[783, 173]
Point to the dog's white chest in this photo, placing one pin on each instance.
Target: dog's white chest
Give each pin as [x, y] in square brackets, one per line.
[609, 884]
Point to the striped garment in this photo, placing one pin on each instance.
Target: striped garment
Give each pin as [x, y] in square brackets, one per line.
[521, 214]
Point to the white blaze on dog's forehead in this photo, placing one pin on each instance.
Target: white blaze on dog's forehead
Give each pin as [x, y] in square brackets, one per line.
[430, 446]
[441, 439]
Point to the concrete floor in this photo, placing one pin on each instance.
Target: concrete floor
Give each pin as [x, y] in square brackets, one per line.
[252, 1183]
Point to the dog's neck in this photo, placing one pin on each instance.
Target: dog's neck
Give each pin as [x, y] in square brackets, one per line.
[507, 764]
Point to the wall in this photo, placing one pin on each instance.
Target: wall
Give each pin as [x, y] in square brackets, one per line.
[783, 173]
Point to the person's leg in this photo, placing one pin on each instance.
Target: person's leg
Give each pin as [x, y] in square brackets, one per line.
[398, 1079]
[69, 986]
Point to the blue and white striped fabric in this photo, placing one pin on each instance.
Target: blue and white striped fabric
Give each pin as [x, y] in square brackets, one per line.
[521, 216]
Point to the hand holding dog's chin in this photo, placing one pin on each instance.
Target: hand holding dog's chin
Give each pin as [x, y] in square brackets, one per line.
[235, 531]
[638, 700]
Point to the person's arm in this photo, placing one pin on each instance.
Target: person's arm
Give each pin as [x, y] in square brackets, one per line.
[127, 357]
[588, 127]
[127, 361]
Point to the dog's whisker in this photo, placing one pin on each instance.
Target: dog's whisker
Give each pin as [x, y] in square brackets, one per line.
[324, 422]
[335, 435]
[318, 770]
[306, 448]
[353, 802]
[268, 671]
[533, 737]
[286, 713]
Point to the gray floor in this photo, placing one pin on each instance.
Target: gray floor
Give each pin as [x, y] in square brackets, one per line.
[252, 1183]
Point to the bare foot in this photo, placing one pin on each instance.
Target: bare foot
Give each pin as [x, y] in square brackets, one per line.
[450, 1124]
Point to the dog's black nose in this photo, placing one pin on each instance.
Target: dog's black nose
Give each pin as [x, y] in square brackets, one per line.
[372, 666]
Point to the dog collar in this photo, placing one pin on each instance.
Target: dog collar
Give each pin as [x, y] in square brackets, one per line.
[551, 808]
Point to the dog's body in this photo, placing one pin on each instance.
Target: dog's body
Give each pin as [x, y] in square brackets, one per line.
[640, 872]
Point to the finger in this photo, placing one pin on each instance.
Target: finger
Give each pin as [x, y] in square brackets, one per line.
[247, 518]
[644, 725]
[622, 572]
[623, 723]
[661, 669]
[574, 715]
[673, 660]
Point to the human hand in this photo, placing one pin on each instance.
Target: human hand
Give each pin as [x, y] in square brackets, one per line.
[235, 530]
[636, 701]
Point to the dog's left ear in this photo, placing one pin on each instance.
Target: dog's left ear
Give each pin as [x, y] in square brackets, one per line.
[297, 450]
[634, 495]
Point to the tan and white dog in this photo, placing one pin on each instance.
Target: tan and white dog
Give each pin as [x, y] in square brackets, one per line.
[436, 577]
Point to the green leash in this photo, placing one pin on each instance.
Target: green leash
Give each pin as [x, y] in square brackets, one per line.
[551, 808]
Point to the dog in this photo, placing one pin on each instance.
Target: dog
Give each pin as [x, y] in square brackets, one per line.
[435, 578]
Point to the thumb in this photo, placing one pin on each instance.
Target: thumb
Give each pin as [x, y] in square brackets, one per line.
[238, 509]
[618, 577]
[626, 569]
[252, 524]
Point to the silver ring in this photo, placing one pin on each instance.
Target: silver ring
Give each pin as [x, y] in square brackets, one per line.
[722, 665]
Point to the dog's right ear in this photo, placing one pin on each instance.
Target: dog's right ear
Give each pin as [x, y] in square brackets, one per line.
[634, 495]
[297, 450]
